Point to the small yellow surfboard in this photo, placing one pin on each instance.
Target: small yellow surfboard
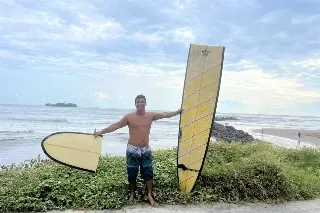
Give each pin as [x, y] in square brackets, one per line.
[74, 149]
[199, 101]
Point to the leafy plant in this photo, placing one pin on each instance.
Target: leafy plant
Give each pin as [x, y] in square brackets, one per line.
[233, 172]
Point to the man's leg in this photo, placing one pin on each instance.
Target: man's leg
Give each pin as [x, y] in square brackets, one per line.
[147, 172]
[149, 188]
[132, 160]
[132, 190]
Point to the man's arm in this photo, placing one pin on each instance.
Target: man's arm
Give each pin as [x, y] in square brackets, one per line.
[157, 116]
[113, 127]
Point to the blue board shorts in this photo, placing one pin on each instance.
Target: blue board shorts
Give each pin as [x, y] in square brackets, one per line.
[139, 157]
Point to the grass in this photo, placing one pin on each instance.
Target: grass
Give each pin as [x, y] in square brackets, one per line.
[233, 172]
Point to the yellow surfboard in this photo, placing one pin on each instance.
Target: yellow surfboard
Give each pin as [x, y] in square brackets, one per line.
[74, 149]
[199, 102]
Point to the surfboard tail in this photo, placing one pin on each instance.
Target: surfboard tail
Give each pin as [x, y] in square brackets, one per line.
[73, 149]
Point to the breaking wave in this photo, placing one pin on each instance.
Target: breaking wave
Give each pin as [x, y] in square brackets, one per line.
[54, 120]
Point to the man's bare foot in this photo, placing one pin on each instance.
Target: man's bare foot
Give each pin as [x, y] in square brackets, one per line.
[152, 202]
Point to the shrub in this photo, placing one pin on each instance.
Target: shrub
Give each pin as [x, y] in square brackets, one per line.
[233, 172]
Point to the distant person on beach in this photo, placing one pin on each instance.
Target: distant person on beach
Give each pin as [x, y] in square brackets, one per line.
[299, 142]
[138, 151]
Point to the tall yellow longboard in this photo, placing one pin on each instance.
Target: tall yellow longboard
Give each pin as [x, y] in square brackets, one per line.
[199, 101]
[74, 149]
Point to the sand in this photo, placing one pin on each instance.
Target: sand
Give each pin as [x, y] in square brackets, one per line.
[307, 136]
[312, 206]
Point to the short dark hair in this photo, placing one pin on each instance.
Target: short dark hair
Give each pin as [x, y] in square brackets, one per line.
[140, 96]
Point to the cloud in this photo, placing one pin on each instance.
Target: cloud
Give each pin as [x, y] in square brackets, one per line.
[100, 96]
[271, 59]
[259, 91]
[271, 16]
[305, 19]
[251, 86]
[311, 64]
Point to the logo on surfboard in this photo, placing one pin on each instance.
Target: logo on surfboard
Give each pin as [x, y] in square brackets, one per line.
[205, 52]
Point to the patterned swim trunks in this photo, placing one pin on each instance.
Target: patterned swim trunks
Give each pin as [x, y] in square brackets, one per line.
[139, 157]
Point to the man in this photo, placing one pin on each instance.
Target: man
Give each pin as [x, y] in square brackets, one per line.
[138, 151]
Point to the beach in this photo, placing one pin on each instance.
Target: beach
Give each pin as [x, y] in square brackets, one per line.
[310, 206]
[308, 137]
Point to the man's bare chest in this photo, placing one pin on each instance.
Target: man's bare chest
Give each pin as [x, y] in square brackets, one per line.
[140, 122]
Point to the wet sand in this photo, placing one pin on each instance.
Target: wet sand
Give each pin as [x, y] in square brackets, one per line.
[307, 136]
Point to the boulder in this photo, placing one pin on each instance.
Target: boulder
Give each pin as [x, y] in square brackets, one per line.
[230, 134]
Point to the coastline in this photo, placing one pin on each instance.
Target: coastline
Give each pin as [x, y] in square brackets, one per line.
[309, 137]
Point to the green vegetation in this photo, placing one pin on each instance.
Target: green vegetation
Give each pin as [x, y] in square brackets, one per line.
[232, 173]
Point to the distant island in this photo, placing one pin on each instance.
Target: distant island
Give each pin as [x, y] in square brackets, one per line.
[62, 104]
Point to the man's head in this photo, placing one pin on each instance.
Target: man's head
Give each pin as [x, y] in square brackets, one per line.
[140, 102]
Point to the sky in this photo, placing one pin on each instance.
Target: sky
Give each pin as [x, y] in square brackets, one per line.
[99, 53]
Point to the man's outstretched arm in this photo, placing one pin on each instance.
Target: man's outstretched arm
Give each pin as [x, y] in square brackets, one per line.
[157, 116]
[113, 127]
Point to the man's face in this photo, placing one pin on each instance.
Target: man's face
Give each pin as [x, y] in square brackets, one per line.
[140, 104]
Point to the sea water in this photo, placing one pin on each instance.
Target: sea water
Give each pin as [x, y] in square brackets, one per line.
[22, 128]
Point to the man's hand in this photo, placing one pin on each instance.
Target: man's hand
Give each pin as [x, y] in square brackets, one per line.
[179, 111]
[157, 116]
[96, 134]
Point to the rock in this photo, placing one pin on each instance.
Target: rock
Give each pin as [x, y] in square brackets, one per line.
[230, 134]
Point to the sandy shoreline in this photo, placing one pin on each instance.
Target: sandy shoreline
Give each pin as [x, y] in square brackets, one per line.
[307, 136]
[307, 206]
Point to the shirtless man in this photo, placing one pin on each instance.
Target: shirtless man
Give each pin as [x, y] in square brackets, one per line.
[138, 151]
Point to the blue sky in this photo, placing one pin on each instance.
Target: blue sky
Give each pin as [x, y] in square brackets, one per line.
[104, 53]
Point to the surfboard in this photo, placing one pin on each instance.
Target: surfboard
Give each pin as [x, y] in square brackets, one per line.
[74, 149]
[199, 101]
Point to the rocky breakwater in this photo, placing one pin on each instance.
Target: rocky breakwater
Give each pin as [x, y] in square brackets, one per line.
[230, 134]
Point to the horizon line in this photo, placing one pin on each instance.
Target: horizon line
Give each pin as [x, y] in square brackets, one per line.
[239, 113]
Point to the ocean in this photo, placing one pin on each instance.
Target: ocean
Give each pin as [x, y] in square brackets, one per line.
[22, 128]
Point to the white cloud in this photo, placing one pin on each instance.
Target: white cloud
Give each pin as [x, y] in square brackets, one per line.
[310, 64]
[100, 96]
[93, 30]
[305, 19]
[246, 83]
[271, 16]
[102, 40]
[151, 38]
[184, 34]
[260, 91]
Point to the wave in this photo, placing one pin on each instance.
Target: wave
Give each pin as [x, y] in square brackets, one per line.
[106, 122]
[12, 138]
[19, 138]
[23, 131]
[120, 133]
[13, 135]
[55, 120]
[167, 122]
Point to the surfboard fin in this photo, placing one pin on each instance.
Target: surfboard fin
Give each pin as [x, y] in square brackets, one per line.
[184, 168]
